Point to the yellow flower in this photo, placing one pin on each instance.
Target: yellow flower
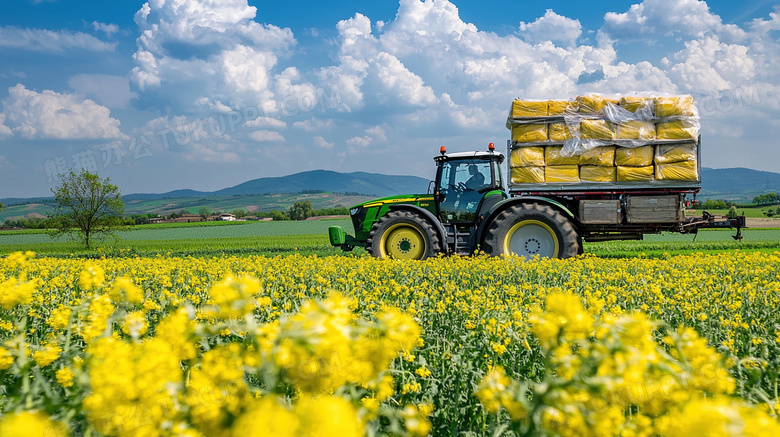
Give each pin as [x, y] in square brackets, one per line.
[65, 377]
[30, 424]
[47, 355]
[91, 277]
[423, 372]
[122, 290]
[60, 317]
[15, 292]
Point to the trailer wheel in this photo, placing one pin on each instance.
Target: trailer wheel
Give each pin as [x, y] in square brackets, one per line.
[403, 235]
[531, 229]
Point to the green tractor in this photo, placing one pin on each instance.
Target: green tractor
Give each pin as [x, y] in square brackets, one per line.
[466, 209]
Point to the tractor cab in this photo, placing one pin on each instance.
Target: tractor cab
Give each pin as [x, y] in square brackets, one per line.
[465, 182]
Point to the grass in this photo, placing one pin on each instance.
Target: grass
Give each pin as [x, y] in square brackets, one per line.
[310, 237]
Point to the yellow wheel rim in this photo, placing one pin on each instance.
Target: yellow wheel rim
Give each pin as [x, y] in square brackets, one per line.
[529, 238]
[402, 241]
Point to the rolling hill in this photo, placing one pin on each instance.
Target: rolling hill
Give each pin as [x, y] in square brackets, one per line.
[326, 189]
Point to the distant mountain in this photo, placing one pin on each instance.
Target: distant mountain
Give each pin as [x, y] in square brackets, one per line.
[724, 183]
[372, 184]
[739, 180]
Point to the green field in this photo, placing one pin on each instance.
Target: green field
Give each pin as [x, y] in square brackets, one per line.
[310, 237]
[251, 203]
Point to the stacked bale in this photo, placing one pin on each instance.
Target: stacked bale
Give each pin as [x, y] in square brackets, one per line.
[595, 139]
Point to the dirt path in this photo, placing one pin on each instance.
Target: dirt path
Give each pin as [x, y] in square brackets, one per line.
[763, 222]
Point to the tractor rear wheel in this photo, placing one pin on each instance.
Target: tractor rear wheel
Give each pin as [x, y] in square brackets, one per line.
[532, 229]
[403, 235]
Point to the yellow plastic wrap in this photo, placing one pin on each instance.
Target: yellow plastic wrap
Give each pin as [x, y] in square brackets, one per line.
[634, 157]
[676, 130]
[562, 173]
[552, 156]
[527, 175]
[559, 132]
[529, 108]
[666, 154]
[674, 106]
[597, 130]
[559, 107]
[633, 104]
[602, 156]
[593, 103]
[677, 171]
[636, 130]
[592, 173]
[527, 157]
[635, 174]
[529, 133]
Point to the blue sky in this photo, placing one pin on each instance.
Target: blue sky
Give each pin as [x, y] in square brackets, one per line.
[205, 94]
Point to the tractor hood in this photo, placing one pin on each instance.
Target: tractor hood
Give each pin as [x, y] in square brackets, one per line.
[407, 198]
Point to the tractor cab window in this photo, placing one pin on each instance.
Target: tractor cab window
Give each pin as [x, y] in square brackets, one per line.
[460, 185]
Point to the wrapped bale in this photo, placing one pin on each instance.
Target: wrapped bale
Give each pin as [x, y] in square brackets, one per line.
[527, 157]
[559, 107]
[670, 153]
[529, 108]
[562, 173]
[592, 173]
[529, 133]
[552, 156]
[601, 156]
[677, 171]
[634, 156]
[593, 104]
[559, 132]
[676, 130]
[527, 175]
[634, 104]
[635, 174]
[674, 106]
[636, 130]
[597, 130]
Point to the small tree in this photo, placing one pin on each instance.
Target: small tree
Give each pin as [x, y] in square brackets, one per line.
[732, 214]
[87, 206]
[301, 210]
[239, 213]
[204, 212]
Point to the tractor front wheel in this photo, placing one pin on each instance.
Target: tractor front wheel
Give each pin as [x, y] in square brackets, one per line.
[529, 230]
[403, 235]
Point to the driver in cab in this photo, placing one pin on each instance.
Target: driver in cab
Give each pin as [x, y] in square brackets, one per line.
[477, 179]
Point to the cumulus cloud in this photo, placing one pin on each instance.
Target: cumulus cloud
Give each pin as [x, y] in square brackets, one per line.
[51, 115]
[322, 142]
[5, 131]
[314, 124]
[42, 40]
[667, 17]
[266, 136]
[206, 48]
[552, 27]
[109, 29]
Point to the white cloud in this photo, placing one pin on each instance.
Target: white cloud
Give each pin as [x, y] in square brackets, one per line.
[552, 27]
[707, 65]
[51, 115]
[377, 132]
[206, 49]
[42, 40]
[667, 17]
[213, 154]
[266, 122]
[314, 124]
[111, 91]
[5, 131]
[360, 141]
[266, 136]
[322, 142]
[109, 29]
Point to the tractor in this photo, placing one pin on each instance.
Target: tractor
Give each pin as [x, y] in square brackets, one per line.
[465, 210]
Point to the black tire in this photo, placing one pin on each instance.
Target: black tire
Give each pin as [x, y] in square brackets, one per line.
[545, 232]
[403, 235]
